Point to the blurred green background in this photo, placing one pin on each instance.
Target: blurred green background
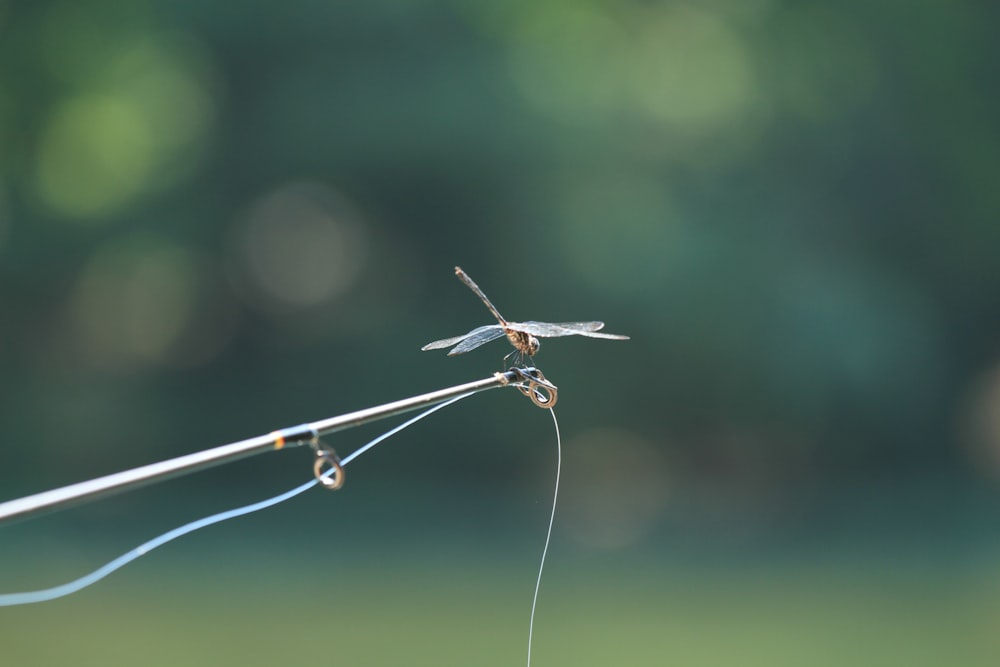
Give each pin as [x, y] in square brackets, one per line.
[216, 221]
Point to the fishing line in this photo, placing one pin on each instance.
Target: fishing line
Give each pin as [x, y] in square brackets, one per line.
[548, 533]
[28, 597]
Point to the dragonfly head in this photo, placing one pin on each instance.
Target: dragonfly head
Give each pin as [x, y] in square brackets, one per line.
[533, 346]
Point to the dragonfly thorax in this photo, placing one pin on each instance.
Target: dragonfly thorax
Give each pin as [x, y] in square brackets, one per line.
[524, 342]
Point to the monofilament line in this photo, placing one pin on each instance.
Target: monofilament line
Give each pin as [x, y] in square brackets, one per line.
[548, 534]
[28, 597]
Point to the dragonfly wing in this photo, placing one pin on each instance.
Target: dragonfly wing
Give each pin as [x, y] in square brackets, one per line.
[601, 334]
[478, 337]
[444, 342]
[448, 342]
[553, 330]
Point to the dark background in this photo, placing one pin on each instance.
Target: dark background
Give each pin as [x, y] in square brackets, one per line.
[217, 221]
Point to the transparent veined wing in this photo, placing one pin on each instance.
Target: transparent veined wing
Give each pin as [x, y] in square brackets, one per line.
[448, 342]
[491, 331]
[601, 334]
[478, 337]
[556, 329]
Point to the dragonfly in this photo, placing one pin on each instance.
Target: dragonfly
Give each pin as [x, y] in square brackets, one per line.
[522, 335]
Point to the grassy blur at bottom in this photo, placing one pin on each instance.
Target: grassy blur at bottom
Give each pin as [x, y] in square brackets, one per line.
[467, 608]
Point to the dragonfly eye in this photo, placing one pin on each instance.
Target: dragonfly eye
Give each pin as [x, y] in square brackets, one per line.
[533, 345]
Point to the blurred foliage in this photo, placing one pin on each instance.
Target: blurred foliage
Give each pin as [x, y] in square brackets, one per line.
[428, 616]
[216, 221]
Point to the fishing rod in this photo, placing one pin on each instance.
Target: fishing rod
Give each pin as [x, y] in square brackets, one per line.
[530, 381]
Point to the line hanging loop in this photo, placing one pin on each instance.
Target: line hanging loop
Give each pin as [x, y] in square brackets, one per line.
[535, 386]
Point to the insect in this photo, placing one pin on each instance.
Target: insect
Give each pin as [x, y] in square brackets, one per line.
[522, 335]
